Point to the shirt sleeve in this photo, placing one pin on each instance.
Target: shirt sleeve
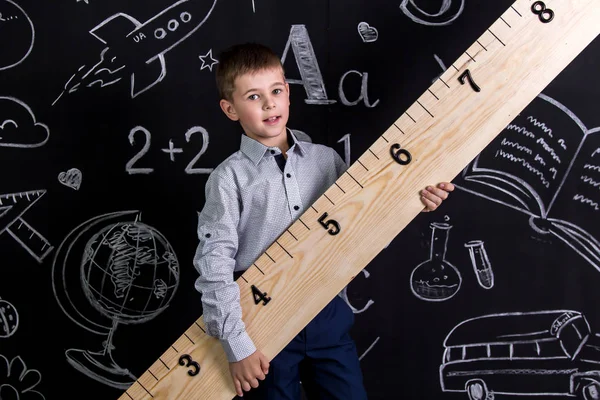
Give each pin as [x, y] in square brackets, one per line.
[215, 262]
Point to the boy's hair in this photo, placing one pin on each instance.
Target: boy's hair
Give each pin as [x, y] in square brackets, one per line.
[241, 59]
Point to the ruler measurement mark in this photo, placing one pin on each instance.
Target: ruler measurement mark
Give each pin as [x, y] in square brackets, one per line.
[497, 38]
[357, 182]
[128, 395]
[288, 253]
[374, 154]
[455, 67]
[328, 199]
[444, 82]
[176, 351]
[383, 137]
[242, 276]
[185, 334]
[429, 90]
[290, 232]
[258, 268]
[481, 45]
[267, 254]
[340, 187]
[470, 56]
[410, 117]
[314, 209]
[144, 388]
[166, 366]
[398, 129]
[358, 161]
[300, 219]
[515, 10]
[425, 109]
[505, 22]
[152, 374]
[198, 325]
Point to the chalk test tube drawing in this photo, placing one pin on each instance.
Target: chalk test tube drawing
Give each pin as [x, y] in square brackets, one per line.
[208, 61]
[436, 279]
[546, 165]
[110, 270]
[9, 319]
[17, 34]
[448, 13]
[545, 353]
[12, 208]
[71, 178]
[367, 32]
[18, 126]
[140, 47]
[17, 382]
[481, 263]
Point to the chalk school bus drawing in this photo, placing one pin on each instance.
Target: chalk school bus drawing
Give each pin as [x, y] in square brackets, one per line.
[545, 164]
[523, 353]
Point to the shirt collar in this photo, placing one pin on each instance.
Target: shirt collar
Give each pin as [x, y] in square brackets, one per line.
[256, 150]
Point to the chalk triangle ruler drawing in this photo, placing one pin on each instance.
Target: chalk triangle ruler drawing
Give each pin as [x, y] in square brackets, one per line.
[432, 141]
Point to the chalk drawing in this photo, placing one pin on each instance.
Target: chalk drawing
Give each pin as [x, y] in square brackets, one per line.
[481, 263]
[18, 125]
[9, 319]
[208, 61]
[18, 382]
[71, 178]
[448, 13]
[17, 34]
[367, 32]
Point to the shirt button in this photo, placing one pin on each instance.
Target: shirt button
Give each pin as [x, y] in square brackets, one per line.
[288, 175]
[207, 235]
[296, 208]
[272, 151]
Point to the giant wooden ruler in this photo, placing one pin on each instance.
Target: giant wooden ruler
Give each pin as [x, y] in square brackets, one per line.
[432, 141]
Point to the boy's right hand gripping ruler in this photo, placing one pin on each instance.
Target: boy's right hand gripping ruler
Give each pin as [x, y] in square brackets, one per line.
[452, 122]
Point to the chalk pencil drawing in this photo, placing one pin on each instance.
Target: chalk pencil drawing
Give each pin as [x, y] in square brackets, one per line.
[71, 178]
[17, 34]
[538, 353]
[546, 165]
[13, 206]
[481, 263]
[139, 47]
[18, 125]
[436, 279]
[367, 32]
[449, 11]
[9, 319]
[208, 61]
[17, 382]
[112, 269]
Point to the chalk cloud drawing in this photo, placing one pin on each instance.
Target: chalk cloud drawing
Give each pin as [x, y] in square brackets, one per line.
[9, 319]
[71, 178]
[367, 32]
[543, 353]
[112, 269]
[12, 208]
[17, 382]
[208, 64]
[481, 263]
[449, 11]
[436, 279]
[17, 34]
[546, 165]
[18, 125]
[139, 47]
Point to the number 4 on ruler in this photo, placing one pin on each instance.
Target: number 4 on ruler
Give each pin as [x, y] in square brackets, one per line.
[259, 296]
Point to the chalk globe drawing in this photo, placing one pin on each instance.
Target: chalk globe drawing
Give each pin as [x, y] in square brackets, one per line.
[16, 34]
[112, 268]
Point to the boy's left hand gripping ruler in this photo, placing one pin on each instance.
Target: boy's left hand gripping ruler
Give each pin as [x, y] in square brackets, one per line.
[452, 122]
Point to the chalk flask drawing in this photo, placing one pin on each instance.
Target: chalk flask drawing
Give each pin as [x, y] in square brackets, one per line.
[545, 164]
[436, 279]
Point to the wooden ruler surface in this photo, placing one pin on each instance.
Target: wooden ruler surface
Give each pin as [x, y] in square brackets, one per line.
[432, 141]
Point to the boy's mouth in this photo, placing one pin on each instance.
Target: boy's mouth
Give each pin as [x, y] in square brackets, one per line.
[272, 120]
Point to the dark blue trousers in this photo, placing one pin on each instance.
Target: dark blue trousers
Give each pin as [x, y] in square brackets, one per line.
[322, 357]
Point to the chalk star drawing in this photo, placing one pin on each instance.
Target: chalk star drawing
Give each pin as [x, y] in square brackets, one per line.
[210, 64]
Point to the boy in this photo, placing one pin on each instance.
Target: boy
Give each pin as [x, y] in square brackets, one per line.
[251, 198]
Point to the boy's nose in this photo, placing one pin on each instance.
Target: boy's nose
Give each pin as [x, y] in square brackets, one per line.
[269, 103]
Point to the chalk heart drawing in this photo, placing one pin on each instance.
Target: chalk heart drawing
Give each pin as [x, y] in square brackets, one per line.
[16, 34]
[71, 178]
[18, 126]
[111, 270]
[17, 382]
[9, 320]
[367, 32]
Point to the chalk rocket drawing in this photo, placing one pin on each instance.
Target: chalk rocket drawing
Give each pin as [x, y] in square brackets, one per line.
[9, 319]
[17, 34]
[18, 126]
[16, 381]
[540, 353]
[110, 270]
[546, 165]
[140, 47]
[449, 11]
[71, 178]
[12, 208]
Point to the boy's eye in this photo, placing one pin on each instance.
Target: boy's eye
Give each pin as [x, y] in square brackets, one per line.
[277, 91]
[253, 97]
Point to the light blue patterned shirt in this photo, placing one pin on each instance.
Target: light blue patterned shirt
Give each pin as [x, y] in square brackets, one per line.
[250, 202]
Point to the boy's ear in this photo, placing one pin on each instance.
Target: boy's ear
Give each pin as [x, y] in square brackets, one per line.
[229, 110]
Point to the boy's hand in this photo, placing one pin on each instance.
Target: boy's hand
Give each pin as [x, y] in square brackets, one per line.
[247, 372]
[433, 196]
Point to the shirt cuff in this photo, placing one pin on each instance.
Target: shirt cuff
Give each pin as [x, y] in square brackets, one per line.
[239, 347]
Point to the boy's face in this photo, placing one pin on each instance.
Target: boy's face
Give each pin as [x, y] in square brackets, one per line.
[261, 103]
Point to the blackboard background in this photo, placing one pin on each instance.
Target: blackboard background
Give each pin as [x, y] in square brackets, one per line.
[89, 130]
